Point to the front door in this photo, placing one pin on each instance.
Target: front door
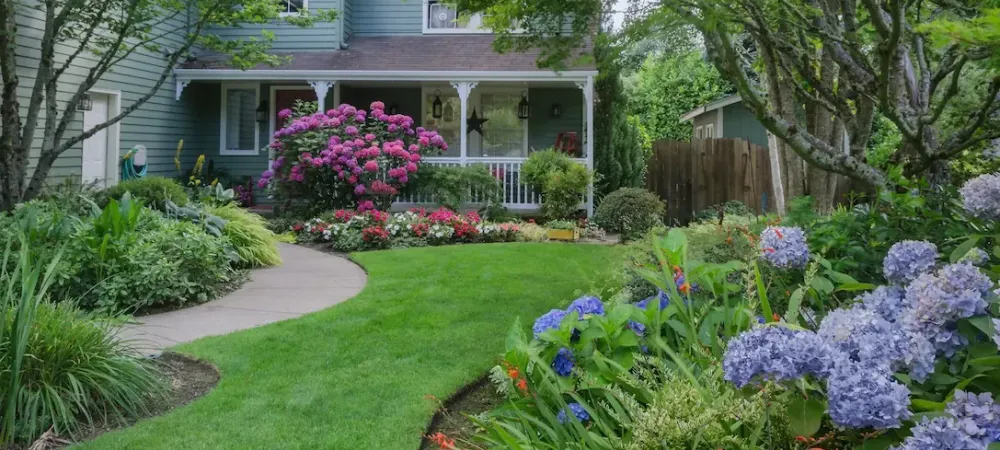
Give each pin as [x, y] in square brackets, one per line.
[95, 148]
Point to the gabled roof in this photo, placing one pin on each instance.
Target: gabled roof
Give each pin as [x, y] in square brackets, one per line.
[711, 106]
[473, 53]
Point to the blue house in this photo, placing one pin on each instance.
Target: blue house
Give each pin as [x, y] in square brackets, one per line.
[406, 53]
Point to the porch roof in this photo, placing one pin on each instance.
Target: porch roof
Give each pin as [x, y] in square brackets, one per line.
[430, 53]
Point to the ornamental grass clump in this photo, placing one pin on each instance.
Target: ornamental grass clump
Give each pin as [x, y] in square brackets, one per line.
[346, 157]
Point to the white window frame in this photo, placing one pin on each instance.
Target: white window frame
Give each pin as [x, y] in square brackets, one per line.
[474, 19]
[222, 123]
[305, 6]
[710, 131]
[699, 132]
[475, 101]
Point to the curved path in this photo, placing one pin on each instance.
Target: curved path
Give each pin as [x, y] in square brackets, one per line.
[308, 281]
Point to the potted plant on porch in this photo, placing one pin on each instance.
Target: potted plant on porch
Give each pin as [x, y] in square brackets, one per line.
[562, 230]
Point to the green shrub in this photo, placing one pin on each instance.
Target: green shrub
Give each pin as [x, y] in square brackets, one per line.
[256, 245]
[57, 364]
[159, 262]
[729, 208]
[451, 187]
[155, 191]
[629, 211]
[541, 165]
[564, 190]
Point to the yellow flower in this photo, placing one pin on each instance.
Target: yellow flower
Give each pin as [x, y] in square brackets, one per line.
[192, 178]
[197, 182]
[177, 155]
[215, 182]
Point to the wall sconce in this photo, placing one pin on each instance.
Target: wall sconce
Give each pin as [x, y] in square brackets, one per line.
[556, 110]
[394, 109]
[86, 102]
[263, 112]
[437, 111]
[524, 108]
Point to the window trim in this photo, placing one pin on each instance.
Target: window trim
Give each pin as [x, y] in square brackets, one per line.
[698, 132]
[710, 131]
[428, 30]
[475, 101]
[222, 122]
[305, 6]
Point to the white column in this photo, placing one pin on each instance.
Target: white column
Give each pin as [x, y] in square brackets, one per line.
[464, 88]
[321, 88]
[588, 98]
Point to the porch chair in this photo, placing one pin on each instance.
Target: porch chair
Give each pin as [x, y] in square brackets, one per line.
[566, 142]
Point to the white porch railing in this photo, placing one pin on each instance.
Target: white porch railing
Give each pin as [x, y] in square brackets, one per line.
[516, 195]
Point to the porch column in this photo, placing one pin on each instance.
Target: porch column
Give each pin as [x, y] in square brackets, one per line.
[464, 88]
[321, 88]
[588, 98]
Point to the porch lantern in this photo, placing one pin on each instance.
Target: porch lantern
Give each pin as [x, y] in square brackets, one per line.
[86, 102]
[524, 108]
[437, 110]
[262, 112]
[394, 109]
[556, 111]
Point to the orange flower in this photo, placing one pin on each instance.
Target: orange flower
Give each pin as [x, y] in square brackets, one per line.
[442, 441]
[685, 288]
[776, 317]
[729, 240]
[522, 384]
[513, 373]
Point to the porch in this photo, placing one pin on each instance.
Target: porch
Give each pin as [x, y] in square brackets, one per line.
[493, 133]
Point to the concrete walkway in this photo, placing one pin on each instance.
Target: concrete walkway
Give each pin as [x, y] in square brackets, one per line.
[308, 281]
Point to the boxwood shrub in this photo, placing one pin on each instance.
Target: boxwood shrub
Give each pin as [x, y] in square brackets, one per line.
[629, 211]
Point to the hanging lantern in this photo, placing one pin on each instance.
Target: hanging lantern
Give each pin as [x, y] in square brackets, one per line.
[449, 113]
[556, 110]
[437, 111]
[394, 109]
[524, 108]
[86, 102]
[263, 112]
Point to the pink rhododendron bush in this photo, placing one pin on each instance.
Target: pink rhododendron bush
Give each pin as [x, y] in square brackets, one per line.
[349, 231]
[346, 158]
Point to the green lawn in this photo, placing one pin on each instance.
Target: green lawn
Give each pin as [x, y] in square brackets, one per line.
[355, 376]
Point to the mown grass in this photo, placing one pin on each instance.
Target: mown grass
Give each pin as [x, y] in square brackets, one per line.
[356, 376]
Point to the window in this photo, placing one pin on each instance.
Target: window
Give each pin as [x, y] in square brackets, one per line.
[239, 122]
[504, 133]
[439, 18]
[449, 126]
[699, 132]
[292, 7]
[710, 131]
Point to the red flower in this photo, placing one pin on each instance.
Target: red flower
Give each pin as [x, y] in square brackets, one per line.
[513, 373]
[374, 234]
[297, 227]
[442, 441]
[522, 384]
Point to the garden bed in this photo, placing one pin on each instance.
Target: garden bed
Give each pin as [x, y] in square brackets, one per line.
[452, 419]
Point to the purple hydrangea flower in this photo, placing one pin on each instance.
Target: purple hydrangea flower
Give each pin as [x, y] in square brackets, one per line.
[862, 335]
[776, 353]
[863, 396]
[981, 196]
[919, 356]
[940, 433]
[638, 327]
[977, 415]
[563, 362]
[548, 321]
[886, 301]
[936, 301]
[784, 247]
[578, 411]
[586, 305]
[976, 256]
[907, 260]
[662, 296]
[996, 337]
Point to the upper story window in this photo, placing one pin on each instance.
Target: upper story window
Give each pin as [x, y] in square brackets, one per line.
[440, 18]
[292, 7]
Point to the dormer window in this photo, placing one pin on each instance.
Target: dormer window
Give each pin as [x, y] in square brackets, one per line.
[441, 18]
[292, 7]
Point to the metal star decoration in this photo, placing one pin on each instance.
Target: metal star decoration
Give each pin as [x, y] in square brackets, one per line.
[474, 123]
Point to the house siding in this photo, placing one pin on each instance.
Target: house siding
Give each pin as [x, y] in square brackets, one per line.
[709, 118]
[287, 37]
[543, 129]
[386, 17]
[158, 124]
[348, 19]
[739, 122]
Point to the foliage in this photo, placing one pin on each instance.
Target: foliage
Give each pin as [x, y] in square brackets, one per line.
[630, 211]
[561, 225]
[107, 35]
[58, 365]
[452, 187]
[541, 165]
[197, 214]
[533, 232]
[154, 191]
[665, 88]
[729, 208]
[256, 245]
[620, 150]
[563, 191]
[348, 231]
[885, 141]
[346, 158]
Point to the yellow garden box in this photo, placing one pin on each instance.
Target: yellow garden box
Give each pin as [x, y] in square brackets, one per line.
[564, 235]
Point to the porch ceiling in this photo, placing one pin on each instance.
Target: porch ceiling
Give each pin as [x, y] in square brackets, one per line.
[395, 56]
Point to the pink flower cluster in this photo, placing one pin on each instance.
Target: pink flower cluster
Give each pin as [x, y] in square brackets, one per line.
[369, 155]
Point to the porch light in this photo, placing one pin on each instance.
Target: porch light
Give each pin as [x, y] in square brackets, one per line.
[262, 112]
[86, 102]
[438, 110]
[394, 109]
[556, 110]
[524, 108]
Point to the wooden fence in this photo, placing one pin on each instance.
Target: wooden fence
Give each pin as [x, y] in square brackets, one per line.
[692, 176]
